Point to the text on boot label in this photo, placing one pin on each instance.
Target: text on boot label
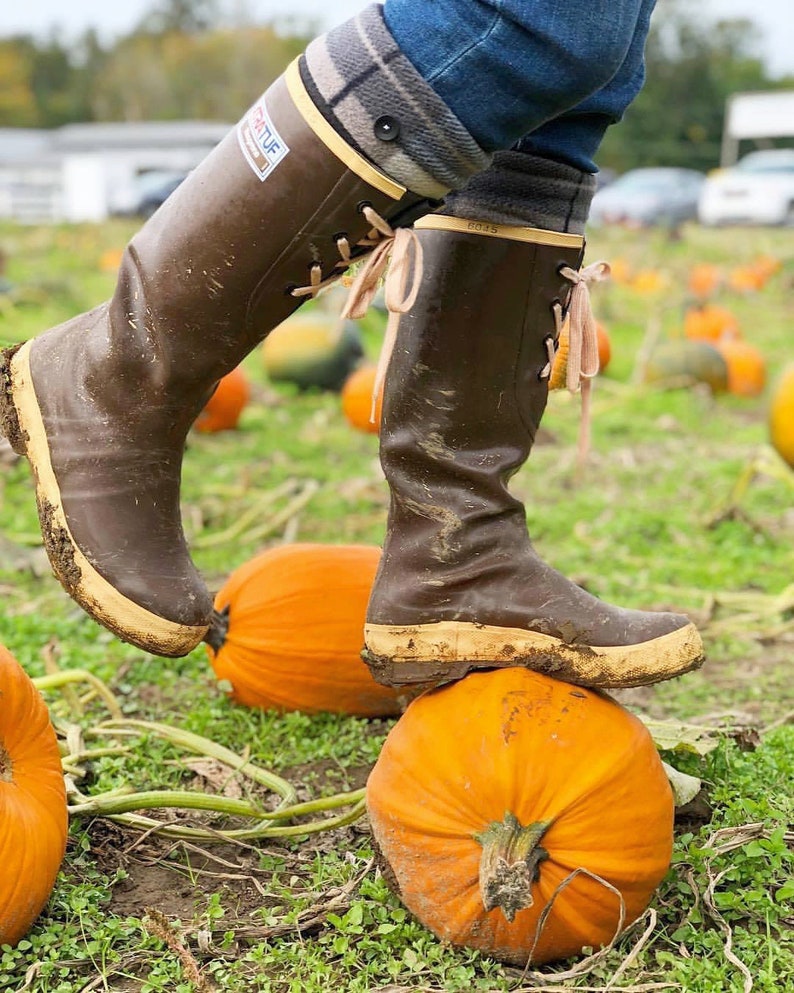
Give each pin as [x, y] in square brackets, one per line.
[262, 145]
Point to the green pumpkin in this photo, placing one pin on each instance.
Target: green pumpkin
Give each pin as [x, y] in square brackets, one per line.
[684, 363]
[313, 350]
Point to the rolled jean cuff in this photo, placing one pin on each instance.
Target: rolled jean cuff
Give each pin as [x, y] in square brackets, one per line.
[505, 67]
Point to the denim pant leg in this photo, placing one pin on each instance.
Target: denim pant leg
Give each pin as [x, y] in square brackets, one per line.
[505, 67]
[574, 137]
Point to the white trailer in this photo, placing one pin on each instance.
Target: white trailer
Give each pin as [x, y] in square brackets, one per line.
[756, 117]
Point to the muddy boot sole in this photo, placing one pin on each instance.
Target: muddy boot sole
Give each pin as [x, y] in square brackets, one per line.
[22, 423]
[448, 650]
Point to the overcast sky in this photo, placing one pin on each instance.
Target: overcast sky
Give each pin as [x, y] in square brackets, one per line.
[775, 18]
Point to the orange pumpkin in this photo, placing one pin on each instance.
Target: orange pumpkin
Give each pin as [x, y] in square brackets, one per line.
[490, 793]
[32, 802]
[222, 410]
[755, 275]
[704, 279]
[620, 271]
[648, 281]
[768, 265]
[746, 279]
[746, 367]
[604, 346]
[357, 399]
[710, 323]
[781, 416]
[110, 260]
[289, 629]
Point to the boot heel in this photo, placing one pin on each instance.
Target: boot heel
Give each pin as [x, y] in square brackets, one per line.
[9, 419]
[387, 672]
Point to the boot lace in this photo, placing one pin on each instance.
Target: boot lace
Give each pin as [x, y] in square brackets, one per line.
[401, 285]
[578, 324]
[401, 251]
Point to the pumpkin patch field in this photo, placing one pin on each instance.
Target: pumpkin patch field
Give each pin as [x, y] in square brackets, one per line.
[517, 833]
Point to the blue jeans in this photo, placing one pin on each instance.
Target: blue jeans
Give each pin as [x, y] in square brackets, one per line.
[543, 76]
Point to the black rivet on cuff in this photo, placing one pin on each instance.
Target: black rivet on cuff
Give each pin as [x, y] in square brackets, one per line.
[386, 128]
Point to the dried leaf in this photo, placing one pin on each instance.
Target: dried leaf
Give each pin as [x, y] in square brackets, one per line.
[685, 787]
[674, 736]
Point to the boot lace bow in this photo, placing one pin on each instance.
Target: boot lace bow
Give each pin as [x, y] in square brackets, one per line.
[400, 250]
[573, 352]
[384, 244]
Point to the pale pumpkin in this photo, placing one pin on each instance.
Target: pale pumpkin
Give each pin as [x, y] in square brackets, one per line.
[289, 629]
[781, 416]
[559, 369]
[491, 792]
[33, 815]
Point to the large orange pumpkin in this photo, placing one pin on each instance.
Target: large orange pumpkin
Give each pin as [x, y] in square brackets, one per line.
[223, 409]
[33, 816]
[492, 792]
[781, 416]
[289, 630]
[746, 366]
[357, 400]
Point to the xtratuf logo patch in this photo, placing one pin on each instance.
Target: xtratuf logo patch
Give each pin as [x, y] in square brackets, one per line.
[262, 145]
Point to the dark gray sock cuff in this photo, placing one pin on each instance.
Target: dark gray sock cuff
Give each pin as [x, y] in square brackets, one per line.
[388, 110]
[523, 189]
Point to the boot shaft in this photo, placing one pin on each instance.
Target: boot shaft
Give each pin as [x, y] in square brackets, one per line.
[460, 585]
[468, 378]
[466, 388]
[272, 208]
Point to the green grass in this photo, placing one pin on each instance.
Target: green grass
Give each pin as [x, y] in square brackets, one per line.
[637, 526]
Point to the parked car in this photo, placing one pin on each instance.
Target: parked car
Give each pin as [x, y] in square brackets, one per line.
[648, 196]
[154, 189]
[759, 189]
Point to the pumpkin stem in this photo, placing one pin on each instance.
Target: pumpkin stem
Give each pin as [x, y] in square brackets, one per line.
[6, 766]
[509, 863]
[219, 628]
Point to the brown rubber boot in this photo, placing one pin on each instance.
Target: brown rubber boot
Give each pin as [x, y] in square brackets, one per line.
[460, 586]
[102, 404]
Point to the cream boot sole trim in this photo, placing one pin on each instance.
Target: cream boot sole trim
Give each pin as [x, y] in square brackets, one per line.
[333, 142]
[81, 581]
[422, 652]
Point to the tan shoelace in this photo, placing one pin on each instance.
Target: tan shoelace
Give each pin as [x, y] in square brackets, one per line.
[401, 250]
[400, 285]
[581, 358]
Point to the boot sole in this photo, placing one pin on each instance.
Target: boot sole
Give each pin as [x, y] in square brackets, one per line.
[448, 650]
[21, 420]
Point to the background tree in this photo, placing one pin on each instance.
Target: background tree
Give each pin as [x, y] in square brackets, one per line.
[180, 16]
[17, 102]
[212, 75]
[692, 68]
